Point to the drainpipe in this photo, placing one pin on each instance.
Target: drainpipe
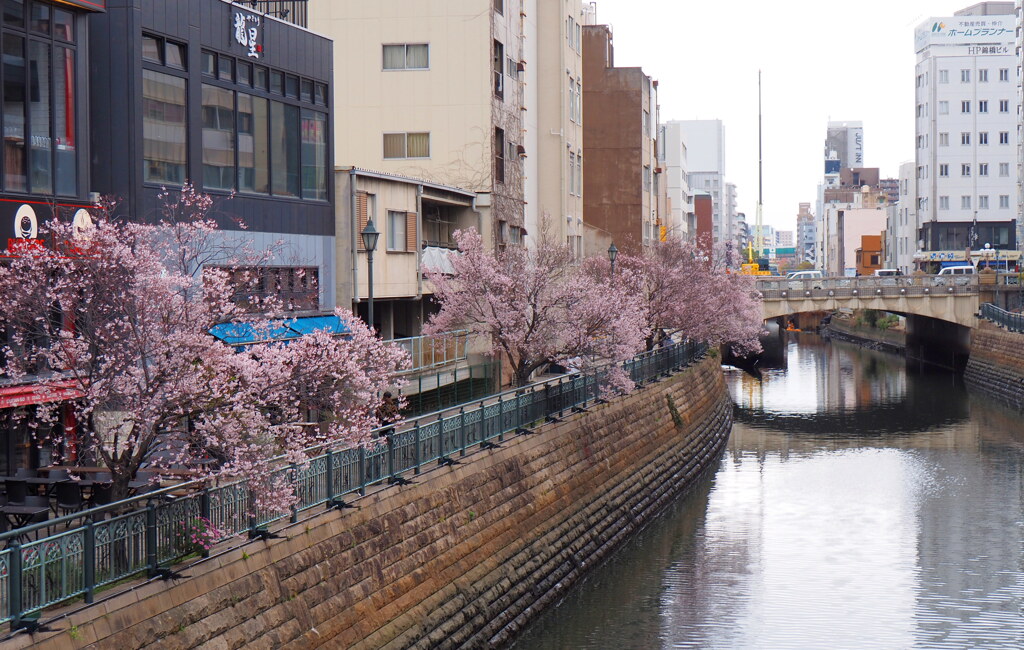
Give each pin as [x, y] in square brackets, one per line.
[419, 244]
[354, 223]
[479, 216]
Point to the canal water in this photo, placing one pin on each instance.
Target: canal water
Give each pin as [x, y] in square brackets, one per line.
[859, 505]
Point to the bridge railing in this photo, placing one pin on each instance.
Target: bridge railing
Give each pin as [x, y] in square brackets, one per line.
[1013, 322]
[75, 555]
[867, 287]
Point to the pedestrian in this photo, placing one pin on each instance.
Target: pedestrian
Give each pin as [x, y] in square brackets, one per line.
[388, 413]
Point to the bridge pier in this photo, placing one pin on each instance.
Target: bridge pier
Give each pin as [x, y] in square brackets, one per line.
[937, 342]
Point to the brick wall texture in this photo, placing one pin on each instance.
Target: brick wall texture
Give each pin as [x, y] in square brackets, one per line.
[464, 557]
[996, 365]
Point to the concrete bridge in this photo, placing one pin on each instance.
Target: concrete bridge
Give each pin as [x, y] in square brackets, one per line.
[954, 299]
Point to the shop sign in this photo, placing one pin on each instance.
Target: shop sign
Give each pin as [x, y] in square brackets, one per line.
[248, 32]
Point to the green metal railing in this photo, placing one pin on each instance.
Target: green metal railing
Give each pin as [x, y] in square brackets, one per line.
[142, 535]
[1011, 321]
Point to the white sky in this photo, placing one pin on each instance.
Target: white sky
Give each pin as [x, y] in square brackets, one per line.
[820, 60]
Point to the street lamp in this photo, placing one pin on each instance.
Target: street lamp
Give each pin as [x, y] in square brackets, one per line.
[370, 237]
[612, 254]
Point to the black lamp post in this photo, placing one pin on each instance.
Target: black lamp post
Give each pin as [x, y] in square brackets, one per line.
[612, 254]
[370, 237]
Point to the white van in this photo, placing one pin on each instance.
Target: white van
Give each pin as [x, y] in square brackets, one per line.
[966, 269]
[959, 275]
[804, 275]
[887, 272]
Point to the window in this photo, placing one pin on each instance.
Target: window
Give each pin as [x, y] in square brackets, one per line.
[920, 142]
[225, 68]
[983, 137]
[983, 106]
[218, 138]
[499, 155]
[396, 231]
[943, 170]
[277, 82]
[208, 63]
[965, 203]
[151, 49]
[1004, 201]
[965, 76]
[512, 68]
[965, 169]
[647, 178]
[579, 172]
[284, 147]
[921, 171]
[982, 76]
[164, 128]
[499, 6]
[943, 139]
[920, 80]
[983, 202]
[982, 169]
[943, 108]
[965, 138]
[965, 106]
[1004, 169]
[408, 56]
[1004, 105]
[244, 73]
[1004, 137]
[572, 172]
[572, 100]
[499, 78]
[943, 76]
[1004, 74]
[920, 110]
[253, 144]
[261, 78]
[406, 145]
[291, 86]
[314, 155]
[943, 203]
[647, 124]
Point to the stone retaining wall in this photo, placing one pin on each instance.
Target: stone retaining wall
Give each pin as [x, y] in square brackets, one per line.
[996, 365]
[465, 557]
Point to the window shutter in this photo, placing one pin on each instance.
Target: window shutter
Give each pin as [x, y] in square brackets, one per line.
[362, 216]
[411, 241]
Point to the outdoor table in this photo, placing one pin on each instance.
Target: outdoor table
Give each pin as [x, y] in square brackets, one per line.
[18, 516]
[48, 483]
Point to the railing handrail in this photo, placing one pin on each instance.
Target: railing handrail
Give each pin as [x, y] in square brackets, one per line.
[1012, 321]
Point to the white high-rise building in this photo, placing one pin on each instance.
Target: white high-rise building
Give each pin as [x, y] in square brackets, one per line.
[966, 129]
[906, 224]
[705, 155]
[672, 156]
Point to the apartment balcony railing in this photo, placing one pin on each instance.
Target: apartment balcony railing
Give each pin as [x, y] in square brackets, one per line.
[87, 551]
[437, 350]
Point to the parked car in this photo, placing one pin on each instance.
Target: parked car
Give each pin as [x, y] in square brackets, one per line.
[887, 272]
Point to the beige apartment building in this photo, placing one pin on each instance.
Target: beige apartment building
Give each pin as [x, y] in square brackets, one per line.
[434, 91]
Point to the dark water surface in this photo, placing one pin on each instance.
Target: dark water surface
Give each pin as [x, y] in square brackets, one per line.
[859, 505]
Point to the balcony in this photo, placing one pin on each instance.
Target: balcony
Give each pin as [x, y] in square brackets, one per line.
[429, 352]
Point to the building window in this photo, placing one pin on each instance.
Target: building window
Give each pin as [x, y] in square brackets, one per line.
[406, 145]
[982, 169]
[965, 76]
[965, 169]
[982, 76]
[407, 56]
[1004, 201]
[579, 172]
[943, 76]
[1004, 74]
[499, 155]
[284, 147]
[965, 138]
[499, 77]
[1004, 137]
[983, 137]
[499, 6]
[1004, 105]
[943, 139]
[647, 178]
[965, 106]
[943, 203]
[983, 202]
[218, 138]
[1004, 169]
[208, 63]
[647, 124]
[983, 106]
[314, 155]
[572, 100]
[253, 144]
[298, 288]
[164, 128]
[396, 230]
[965, 203]
[572, 172]
[920, 142]
[943, 108]
[943, 170]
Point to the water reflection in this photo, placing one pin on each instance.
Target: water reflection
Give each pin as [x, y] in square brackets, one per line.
[857, 506]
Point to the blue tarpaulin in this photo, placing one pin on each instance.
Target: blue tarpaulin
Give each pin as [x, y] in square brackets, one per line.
[242, 334]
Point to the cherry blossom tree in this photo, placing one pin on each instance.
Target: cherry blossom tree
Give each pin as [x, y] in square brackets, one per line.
[683, 291]
[535, 306]
[123, 314]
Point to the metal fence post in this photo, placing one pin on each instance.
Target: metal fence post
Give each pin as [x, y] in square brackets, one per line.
[329, 477]
[440, 435]
[151, 538]
[14, 586]
[293, 471]
[391, 456]
[462, 430]
[362, 471]
[89, 560]
[419, 446]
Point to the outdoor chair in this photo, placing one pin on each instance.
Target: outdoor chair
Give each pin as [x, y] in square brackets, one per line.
[69, 497]
[16, 491]
[59, 474]
[102, 494]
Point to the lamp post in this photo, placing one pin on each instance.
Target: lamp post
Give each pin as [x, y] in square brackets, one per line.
[370, 237]
[612, 254]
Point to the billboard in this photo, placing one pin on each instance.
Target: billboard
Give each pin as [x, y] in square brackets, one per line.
[995, 31]
[855, 146]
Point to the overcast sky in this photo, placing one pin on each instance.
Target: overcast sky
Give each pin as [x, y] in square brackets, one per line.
[820, 60]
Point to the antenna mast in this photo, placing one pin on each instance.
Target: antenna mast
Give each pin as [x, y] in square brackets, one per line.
[760, 176]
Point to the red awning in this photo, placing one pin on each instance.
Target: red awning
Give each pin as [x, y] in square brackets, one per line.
[38, 393]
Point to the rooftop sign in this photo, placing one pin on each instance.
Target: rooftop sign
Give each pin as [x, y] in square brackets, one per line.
[966, 30]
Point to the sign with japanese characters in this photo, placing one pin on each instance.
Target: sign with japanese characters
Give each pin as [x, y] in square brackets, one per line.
[991, 31]
[247, 31]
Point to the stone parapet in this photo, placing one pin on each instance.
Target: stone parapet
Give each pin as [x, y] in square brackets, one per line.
[464, 557]
[996, 364]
